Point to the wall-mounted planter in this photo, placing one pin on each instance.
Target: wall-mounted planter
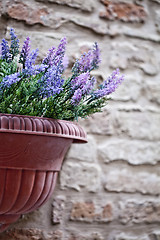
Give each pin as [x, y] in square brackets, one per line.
[31, 154]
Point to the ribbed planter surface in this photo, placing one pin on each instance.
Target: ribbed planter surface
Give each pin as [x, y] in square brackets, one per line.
[31, 154]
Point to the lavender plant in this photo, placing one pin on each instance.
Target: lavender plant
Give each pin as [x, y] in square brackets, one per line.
[41, 89]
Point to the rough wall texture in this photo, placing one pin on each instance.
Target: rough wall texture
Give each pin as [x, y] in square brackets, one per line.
[108, 189]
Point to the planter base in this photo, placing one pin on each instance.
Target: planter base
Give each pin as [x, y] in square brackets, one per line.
[23, 191]
[6, 220]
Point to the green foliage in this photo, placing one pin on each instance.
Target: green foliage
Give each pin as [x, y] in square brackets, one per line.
[23, 98]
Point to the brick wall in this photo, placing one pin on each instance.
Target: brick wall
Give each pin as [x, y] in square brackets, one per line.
[108, 189]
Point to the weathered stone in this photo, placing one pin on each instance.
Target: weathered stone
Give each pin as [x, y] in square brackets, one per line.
[131, 151]
[31, 234]
[155, 235]
[138, 125]
[139, 212]
[157, 13]
[77, 175]
[1, 8]
[157, 1]
[99, 123]
[152, 91]
[83, 5]
[84, 152]
[142, 33]
[94, 25]
[126, 12]
[87, 236]
[126, 55]
[21, 11]
[58, 209]
[124, 180]
[88, 212]
[130, 89]
[124, 236]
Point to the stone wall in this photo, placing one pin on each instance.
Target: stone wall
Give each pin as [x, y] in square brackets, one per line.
[109, 188]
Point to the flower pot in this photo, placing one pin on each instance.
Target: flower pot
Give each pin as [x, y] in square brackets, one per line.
[31, 154]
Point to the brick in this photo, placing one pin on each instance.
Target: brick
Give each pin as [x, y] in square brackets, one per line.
[90, 212]
[58, 209]
[138, 125]
[134, 56]
[125, 180]
[126, 12]
[80, 175]
[124, 236]
[139, 212]
[84, 152]
[132, 151]
[31, 15]
[83, 5]
[31, 233]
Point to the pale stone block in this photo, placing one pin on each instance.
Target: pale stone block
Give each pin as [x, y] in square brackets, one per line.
[155, 235]
[138, 125]
[87, 6]
[132, 211]
[153, 91]
[132, 151]
[124, 236]
[124, 180]
[84, 152]
[58, 209]
[80, 175]
[100, 124]
[131, 55]
[130, 89]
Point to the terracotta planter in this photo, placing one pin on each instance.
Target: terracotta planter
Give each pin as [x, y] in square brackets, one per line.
[31, 154]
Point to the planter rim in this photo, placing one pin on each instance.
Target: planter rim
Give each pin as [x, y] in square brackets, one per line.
[23, 124]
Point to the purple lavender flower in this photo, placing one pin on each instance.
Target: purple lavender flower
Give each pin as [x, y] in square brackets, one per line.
[88, 61]
[55, 57]
[96, 56]
[49, 59]
[76, 97]
[65, 62]
[5, 51]
[84, 83]
[25, 51]
[59, 54]
[29, 63]
[0, 50]
[39, 69]
[109, 85]
[30, 69]
[79, 81]
[14, 48]
[51, 82]
[88, 87]
[9, 80]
